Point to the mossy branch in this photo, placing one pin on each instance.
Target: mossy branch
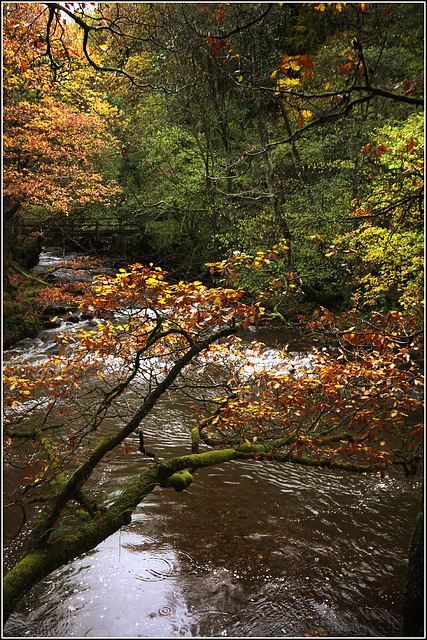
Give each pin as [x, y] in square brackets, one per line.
[29, 276]
[195, 440]
[30, 435]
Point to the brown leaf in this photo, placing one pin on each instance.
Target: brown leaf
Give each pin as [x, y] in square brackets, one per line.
[306, 61]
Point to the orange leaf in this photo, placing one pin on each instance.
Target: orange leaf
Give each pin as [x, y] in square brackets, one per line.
[306, 61]
[410, 144]
[23, 66]
[300, 122]
[345, 68]
[366, 147]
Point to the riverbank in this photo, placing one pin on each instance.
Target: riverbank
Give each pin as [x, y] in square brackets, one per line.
[44, 293]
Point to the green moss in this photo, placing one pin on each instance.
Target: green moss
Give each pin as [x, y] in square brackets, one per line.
[179, 481]
[195, 440]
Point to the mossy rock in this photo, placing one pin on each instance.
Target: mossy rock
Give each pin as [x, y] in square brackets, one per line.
[19, 319]
[27, 250]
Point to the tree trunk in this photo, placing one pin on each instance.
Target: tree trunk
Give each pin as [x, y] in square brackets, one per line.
[262, 132]
[10, 209]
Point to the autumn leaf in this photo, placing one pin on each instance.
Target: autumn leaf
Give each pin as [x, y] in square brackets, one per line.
[306, 114]
[300, 121]
[306, 61]
[410, 145]
[345, 68]
[23, 66]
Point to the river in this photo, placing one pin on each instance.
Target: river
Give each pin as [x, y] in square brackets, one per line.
[250, 549]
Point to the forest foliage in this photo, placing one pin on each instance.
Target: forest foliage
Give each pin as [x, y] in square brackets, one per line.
[270, 157]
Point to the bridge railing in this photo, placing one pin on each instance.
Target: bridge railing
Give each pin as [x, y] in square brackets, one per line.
[106, 226]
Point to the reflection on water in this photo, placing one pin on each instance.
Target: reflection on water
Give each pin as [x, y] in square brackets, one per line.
[250, 549]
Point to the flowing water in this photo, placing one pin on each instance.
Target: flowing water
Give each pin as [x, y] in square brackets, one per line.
[250, 549]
